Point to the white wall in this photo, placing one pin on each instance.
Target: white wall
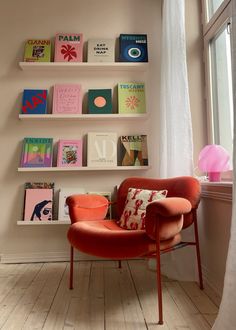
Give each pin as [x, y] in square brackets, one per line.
[102, 18]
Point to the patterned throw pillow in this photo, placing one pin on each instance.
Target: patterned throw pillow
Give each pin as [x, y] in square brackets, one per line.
[133, 216]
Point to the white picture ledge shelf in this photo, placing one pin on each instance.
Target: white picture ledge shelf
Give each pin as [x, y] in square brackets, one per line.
[83, 66]
[83, 116]
[41, 223]
[82, 169]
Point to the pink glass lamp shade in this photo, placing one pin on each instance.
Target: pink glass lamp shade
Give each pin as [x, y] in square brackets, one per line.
[213, 159]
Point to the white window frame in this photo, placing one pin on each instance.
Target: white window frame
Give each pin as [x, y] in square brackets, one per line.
[221, 17]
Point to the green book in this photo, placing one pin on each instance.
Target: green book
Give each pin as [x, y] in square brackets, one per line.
[131, 98]
[99, 101]
[37, 50]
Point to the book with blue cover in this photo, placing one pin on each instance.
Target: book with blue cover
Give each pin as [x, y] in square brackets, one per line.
[34, 101]
[133, 48]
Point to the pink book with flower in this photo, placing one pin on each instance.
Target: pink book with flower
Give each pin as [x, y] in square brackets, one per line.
[69, 153]
[68, 47]
[67, 99]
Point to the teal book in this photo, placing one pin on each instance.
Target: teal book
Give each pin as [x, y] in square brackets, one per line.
[99, 101]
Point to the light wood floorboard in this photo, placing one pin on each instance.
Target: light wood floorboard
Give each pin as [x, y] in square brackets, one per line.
[36, 296]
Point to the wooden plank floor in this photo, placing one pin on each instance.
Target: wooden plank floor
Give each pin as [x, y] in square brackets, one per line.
[36, 296]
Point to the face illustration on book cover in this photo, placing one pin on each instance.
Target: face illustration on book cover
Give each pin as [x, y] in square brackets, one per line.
[42, 211]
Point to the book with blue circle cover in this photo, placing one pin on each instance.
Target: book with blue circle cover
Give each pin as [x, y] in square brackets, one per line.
[133, 48]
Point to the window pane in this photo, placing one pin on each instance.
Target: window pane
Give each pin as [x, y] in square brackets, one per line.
[222, 98]
[213, 5]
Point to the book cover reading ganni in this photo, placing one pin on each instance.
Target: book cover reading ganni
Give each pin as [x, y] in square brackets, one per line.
[131, 97]
[68, 47]
[37, 50]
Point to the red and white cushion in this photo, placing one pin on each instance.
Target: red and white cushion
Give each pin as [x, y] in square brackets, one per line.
[133, 216]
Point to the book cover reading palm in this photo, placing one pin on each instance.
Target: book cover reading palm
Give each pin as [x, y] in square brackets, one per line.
[68, 47]
[134, 150]
[37, 152]
[37, 50]
[131, 98]
[67, 99]
[34, 101]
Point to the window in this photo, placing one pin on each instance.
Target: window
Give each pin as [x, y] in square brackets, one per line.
[217, 49]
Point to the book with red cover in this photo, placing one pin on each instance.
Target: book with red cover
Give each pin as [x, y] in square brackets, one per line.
[68, 47]
[67, 99]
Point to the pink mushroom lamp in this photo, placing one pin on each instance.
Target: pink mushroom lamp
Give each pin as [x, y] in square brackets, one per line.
[213, 159]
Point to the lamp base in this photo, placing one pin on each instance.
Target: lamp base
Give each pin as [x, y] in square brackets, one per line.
[214, 176]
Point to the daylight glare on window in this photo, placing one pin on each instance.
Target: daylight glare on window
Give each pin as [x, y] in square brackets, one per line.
[213, 5]
[221, 85]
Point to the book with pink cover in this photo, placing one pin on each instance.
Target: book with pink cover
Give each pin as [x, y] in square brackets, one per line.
[67, 99]
[38, 204]
[68, 47]
[69, 153]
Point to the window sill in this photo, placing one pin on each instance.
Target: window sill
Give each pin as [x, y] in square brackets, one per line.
[217, 190]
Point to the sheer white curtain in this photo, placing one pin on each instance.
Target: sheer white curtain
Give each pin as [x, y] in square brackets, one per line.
[176, 146]
[227, 313]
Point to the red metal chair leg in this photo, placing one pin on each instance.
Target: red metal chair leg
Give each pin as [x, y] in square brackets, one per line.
[198, 254]
[71, 267]
[158, 273]
[119, 263]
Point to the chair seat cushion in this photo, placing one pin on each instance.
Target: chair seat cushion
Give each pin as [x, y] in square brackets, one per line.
[104, 238]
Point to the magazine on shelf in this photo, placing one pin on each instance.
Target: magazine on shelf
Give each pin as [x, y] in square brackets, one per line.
[131, 98]
[134, 150]
[101, 50]
[37, 152]
[68, 47]
[63, 211]
[37, 50]
[99, 101]
[69, 153]
[38, 204]
[133, 48]
[102, 149]
[67, 99]
[34, 101]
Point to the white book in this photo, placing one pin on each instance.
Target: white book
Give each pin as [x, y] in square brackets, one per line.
[63, 210]
[101, 50]
[101, 149]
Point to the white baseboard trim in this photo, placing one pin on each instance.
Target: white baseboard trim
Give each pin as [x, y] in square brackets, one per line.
[11, 258]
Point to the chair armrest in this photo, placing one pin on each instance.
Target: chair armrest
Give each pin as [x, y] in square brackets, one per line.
[167, 210]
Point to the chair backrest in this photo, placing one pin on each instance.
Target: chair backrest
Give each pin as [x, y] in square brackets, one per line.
[184, 186]
[87, 207]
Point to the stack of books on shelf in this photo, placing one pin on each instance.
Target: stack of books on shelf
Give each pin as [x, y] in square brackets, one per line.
[40, 204]
[69, 48]
[104, 150]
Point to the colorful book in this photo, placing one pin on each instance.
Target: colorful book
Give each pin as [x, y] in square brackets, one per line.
[37, 152]
[101, 149]
[134, 150]
[34, 101]
[101, 50]
[99, 101]
[68, 47]
[39, 185]
[131, 98]
[37, 50]
[38, 204]
[67, 99]
[69, 153]
[63, 210]
[133, 48]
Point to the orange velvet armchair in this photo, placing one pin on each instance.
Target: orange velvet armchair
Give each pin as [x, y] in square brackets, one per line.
[165, 219]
